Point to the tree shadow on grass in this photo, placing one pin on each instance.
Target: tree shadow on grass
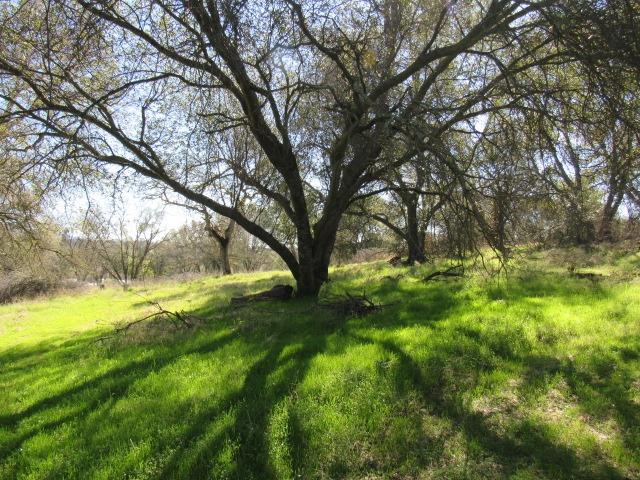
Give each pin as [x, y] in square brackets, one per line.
[108, 386]
[535, 284]
[525, 444]
[282, 364]
[282, 347]
[599, 381]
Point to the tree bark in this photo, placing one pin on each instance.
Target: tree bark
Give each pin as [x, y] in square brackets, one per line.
[500, 215]
[308, 283]
[224, 257]
[581, 230]
[609, 211]
[223, 239]
[415, 240]
[314, 254]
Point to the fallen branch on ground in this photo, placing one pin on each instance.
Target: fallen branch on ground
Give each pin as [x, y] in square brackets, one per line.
[277, 292]
[449, 272]
[177, 319]
[393, 278]
[350, 305]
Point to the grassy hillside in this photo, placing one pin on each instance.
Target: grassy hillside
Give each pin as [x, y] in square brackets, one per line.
[532, 376]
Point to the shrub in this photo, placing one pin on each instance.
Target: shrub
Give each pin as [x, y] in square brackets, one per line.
[16, 286]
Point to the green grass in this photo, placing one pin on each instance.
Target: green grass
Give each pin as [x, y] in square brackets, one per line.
[534, 376]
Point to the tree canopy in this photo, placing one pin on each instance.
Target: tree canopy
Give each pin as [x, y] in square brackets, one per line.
[310, 106]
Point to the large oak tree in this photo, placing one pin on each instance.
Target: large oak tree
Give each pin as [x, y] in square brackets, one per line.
[321, 87]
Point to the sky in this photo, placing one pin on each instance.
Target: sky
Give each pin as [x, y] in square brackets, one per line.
[70, 208]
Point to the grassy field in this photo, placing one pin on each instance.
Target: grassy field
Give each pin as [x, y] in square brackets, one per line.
[534, 376]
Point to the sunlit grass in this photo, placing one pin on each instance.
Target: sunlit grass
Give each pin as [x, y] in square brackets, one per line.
[533, 375]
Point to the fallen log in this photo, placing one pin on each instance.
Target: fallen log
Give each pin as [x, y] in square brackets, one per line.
[449, 272]
[277, 292]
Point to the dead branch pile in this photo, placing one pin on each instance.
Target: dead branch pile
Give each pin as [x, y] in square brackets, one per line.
[177, 318]
[349, 305]
[393, 278]
[455, 271]
[395, 261]
[277, 292]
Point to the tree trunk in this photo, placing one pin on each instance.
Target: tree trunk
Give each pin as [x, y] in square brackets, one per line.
[500, 216]
[415, 244]
[414, 238]
[225, 265]
[606, 221]
[312, 273]
[223, 239]
[609, 212]
[314, 254]
[308, 286]
[581, 230]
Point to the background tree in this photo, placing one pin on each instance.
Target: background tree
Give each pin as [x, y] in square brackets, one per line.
[615, 144]
[408, 200]
[123, 247]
